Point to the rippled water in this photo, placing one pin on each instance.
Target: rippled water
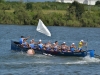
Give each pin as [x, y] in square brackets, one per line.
[12, 63]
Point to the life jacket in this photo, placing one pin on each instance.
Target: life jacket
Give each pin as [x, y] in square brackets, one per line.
[72, 49]
[80, 45]
[40, 46]
[32, 46]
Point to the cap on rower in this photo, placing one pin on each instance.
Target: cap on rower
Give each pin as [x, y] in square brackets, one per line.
[73, 43]
[82, 40]
[40, 40]
[53, 43]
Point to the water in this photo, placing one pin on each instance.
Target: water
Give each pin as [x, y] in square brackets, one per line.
[12, 63]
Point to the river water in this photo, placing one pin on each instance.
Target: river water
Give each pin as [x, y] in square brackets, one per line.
[19, 63]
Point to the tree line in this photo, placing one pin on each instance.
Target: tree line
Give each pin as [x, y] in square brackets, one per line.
[75, 15]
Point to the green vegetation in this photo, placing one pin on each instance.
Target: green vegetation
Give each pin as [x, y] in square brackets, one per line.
[51, 13]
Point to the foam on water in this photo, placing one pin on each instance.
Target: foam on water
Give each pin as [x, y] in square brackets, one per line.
[91, 59]
[85, 60]
[43, 59]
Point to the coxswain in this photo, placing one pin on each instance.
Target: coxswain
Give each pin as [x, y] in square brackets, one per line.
[80, 45]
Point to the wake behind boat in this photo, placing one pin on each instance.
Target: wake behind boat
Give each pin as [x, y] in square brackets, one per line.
[17, 46]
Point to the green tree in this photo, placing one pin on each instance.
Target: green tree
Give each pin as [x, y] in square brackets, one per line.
[22, 17]
[2, 1]
[97, 3]
[90, 19]
[71, 13]
[29, 6]
[77, 8]
[73, 23]
[7, 18]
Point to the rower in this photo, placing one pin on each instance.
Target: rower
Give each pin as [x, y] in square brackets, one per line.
[72, 47]
[31, 45]
[40, 45]
[22, 38]
[64, 47]
[25, 44]
[81, 44]
[48, 46]
[56, 46]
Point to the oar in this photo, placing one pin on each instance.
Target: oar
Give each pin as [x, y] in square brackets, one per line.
[86, 44]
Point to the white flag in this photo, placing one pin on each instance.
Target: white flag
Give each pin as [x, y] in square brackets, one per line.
[42, 28]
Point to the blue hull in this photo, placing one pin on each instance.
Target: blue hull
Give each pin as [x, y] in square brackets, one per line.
[16, 47]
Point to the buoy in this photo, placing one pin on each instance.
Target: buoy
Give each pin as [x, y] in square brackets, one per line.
[30, 52]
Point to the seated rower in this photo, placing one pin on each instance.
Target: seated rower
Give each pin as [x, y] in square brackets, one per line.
[25, 44]
[40, 45]
[48, 46]
[32, 44]
[56, 46]
[72, 47]
[64, 47]
[52, 47]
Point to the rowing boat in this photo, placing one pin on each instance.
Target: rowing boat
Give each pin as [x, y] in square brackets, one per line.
[15, 46]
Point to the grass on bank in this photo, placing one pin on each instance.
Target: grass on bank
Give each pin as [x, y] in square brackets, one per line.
[54, 11]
